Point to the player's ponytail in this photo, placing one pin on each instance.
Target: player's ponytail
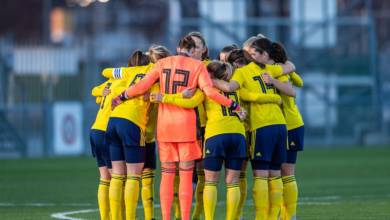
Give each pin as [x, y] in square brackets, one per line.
[275, 50]
[187, 43]
[157, 52]
[138, 59]
[242, 57]
[220, 70]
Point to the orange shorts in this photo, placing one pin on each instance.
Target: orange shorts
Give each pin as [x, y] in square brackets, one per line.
[179, 151]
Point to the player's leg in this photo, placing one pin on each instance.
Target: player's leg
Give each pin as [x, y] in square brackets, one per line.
[118, 168]
[176, 202]
[199, 206]
[212, 167]
[242, 181]
[188, 153]
[135, 159]
[105, 177]
[197, 215]
[262, 142]
[275, 183]
[168, 153]
[147, 178]
[233, 169]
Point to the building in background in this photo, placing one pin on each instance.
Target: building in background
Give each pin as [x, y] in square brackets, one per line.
[53, 51]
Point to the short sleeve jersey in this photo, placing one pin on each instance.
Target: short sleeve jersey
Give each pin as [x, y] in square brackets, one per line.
[249, 76]
[135, 109]
[221, 120]
[290, 109]
[105, 111]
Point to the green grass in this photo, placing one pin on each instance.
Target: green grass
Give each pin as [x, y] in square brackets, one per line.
[357, 178]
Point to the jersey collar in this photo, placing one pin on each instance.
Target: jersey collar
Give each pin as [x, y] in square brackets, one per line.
[183, 54]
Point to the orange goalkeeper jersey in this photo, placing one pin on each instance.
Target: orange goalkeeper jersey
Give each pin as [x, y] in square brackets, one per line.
[176, 73]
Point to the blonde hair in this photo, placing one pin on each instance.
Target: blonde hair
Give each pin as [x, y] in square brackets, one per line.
[157, 52]
[250, 41]
[220, 70]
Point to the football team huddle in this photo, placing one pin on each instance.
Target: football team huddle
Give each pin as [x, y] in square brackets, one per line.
[204, 114]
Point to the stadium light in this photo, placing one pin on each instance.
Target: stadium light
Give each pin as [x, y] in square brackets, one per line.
[104, 0]
[84, 3]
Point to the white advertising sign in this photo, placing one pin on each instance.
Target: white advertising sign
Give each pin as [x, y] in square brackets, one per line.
[68, 132]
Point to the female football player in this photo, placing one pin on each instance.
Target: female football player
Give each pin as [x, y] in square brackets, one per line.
[266, 51]
[177, 73]
[269, 133]
[126, 136]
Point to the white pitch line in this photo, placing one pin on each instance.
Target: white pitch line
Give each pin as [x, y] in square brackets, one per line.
[248, 202]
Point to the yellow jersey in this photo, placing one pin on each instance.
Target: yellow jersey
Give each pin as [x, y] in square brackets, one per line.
[249, 77]
[290, 109]
[135, 109]
[151, 125]
[105, 111]
[220, 119]
[201, 110]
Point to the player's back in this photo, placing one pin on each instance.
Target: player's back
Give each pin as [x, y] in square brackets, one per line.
[105, 111]
[265, 114]
[222, 120]
[134, 109]
[289, 107]
[176, 124]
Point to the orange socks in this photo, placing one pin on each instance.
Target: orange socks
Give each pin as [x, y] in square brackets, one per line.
[185, 191]
[166, 190]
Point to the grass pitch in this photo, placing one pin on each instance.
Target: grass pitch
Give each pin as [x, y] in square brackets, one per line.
[347, 183]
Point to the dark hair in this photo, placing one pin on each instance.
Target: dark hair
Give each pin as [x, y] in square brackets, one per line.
[187, 43]
[220, 70]
[205, 55]
[229, 48]
[275, 50]
[138, 59]
[242, 57]
[157, 52]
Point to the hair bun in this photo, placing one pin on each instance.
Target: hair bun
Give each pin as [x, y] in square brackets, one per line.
[188, 37]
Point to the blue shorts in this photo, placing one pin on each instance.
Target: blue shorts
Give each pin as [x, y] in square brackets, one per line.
[150, 160]
[269, 143]
[100, 150]
[132, 154]
[295, 138]
[215, 163]
[292, 156]
[123, 132]
[225, 145]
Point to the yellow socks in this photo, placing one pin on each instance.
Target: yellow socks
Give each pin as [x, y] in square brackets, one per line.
[131, 195]
[232, 200]
[260, 196]
[116, 194]
[210, 199]
[243, 188]
[290, 194]
[104, 199]
[148, 193]
[275, 186]
[199, 194]
[176, 202]
[122, 209]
